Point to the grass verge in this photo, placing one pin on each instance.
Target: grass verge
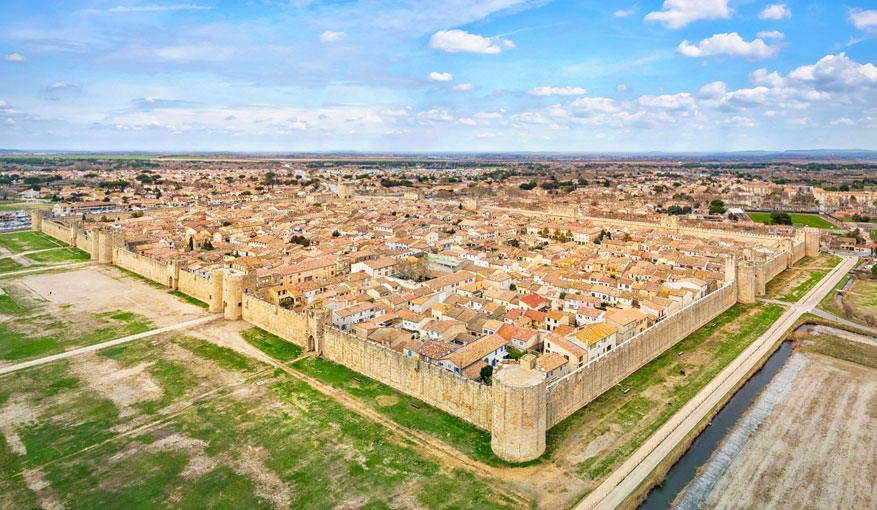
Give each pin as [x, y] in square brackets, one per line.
[271, 344]
[188, 299]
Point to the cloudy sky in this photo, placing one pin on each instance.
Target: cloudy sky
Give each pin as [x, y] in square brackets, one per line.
[438, 75]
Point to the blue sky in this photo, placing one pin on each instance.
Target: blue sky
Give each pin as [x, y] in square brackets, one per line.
[452, 75]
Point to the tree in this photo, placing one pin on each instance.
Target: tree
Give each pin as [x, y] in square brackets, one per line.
[780, 218]
[191, 243]
[207, 245]
[336, 234]
[486, 374]
[512, 286]
[874, 270]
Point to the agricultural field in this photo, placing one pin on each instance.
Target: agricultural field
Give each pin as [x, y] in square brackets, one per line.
[199, 425]
[833, 398]
[798, 220]
[25, 206]
[794, 282]
[51, 312]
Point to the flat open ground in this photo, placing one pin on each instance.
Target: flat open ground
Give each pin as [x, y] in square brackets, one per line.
[53, 311]
[794, 282]
[816, 448]
[180, 422]
[798, 220]
[862, 297]
[212, 413]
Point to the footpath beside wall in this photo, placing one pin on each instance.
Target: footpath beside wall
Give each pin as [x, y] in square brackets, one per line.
[572, 392]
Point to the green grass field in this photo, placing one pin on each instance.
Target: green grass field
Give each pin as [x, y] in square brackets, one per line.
[794, 282]
[60, 256]
[271, 344]
[188, 299]
[34, 336]
[25, 206]
[798, 220]
[18, 242]
[209, 436]
[659, 389]
[7, 265]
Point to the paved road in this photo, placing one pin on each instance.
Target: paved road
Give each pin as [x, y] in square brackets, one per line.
[624, 481]
[840, 320]
[110, 343]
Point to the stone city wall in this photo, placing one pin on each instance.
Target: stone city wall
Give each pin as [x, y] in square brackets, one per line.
[775, 266]
[57, 230]
[146, 267]
[797, 251]
[570, 393]
[284, 323]
[456, 395]
[194, 285]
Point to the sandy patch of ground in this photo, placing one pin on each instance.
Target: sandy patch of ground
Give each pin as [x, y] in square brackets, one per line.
[15, 413]
[387, 400]
[36, 481]
[96, 289]
[124, 386]
[250, 462]
[815, 450]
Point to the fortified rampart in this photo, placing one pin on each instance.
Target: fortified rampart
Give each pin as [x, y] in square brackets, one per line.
[571, 393]
[518, 409]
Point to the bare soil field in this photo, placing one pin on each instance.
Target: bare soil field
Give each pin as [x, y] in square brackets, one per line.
[815, 450]
[54, 311]
[97, 289]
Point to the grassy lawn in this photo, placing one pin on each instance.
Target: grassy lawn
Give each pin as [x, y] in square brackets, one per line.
[271, 344]
[24, 206]
[8, 265]
[33, 335]
[17, 242]
[623, 421]
[60, 256]
[188, 299]
[794, 282]
[798, 220]
[277, 444]
[403, 409]
[132, 274]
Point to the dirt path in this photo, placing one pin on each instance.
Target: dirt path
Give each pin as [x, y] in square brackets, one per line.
[815, 450]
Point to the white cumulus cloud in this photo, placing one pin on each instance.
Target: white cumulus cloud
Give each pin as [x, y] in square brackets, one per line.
[454, 41]
[600, 104]
[331, 36]
[775, 11]
[557, 91]
[864, 20]
[679, 13]
[729, 44]
[14, 57]
[622, 13]
[434, 76]
[843, 121]
[464, 87]
[770, 34]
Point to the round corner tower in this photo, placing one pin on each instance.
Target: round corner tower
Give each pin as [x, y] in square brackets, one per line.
[215, 297]
[746, 283]
[519, 413]
[105, 247]
[233, 294]
[36, 221]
